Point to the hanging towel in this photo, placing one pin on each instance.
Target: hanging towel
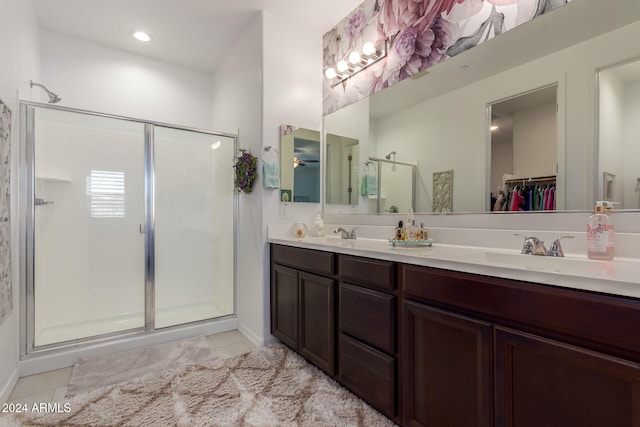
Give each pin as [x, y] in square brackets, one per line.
[369, 185]
[270, 174]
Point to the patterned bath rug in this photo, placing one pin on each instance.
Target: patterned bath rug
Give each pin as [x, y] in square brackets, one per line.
[97, 372]
[270, 386]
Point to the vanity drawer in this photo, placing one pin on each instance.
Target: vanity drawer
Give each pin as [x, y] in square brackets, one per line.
[367, 271]
[304, 259]
[369, 374]
[599, 322]
[368, 315]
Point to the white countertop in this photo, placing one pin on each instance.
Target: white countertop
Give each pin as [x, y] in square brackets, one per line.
[620, 276]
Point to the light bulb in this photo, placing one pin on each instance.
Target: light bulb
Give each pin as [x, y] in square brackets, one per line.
[330, 73]
[342, 66]
[141, 36]
[354, 57]
[368, 48]
[493, 127]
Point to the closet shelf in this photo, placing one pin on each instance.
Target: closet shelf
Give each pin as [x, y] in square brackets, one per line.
[531, 180]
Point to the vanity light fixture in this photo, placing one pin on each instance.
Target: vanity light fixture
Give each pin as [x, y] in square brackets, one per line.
[356, 62]
[141, 36]
[493, 127]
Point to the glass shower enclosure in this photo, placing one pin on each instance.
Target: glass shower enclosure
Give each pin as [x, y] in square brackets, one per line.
[129, 225]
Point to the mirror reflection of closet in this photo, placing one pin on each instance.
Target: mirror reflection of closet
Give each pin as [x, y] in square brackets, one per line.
[618, 129]
[524, 151]
[299, 164]
[342, 175]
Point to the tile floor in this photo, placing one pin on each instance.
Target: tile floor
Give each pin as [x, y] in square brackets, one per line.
[51, 387]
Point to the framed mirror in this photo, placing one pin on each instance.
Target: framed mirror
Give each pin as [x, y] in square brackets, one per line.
[619, 134]
[299, 165]
[439, 121]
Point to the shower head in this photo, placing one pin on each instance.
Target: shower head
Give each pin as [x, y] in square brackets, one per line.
[388, 156]
[53, 97]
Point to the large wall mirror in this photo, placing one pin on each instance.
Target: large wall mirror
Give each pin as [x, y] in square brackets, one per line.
[299, 164]
[619, 134]
[440, 121]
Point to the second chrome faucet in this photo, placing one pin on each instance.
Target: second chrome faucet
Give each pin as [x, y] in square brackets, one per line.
[345, 234]
[534, 246]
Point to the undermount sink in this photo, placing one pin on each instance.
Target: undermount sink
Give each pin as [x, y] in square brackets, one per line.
[562, 265]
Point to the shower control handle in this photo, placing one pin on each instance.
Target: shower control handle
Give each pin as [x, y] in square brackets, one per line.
[40, 202]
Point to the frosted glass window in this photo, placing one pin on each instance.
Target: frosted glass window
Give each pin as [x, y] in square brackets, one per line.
[106, 190]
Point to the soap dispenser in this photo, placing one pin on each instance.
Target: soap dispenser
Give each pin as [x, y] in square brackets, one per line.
[600, 243]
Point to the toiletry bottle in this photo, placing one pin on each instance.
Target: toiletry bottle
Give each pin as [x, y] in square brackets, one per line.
[600, 244]
[423, 232]
[412, 230]
[399, 231]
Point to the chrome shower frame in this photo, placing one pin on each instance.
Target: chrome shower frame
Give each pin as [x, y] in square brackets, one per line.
[26, 205]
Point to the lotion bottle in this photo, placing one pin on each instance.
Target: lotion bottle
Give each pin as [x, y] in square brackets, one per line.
[600, 243]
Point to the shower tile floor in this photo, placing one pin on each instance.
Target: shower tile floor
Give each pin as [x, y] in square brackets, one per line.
[51, 387]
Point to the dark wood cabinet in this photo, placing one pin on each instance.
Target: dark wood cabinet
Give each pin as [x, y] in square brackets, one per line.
[447, 374]
[369, 373]
[303, 304]
[317, 296]
[437, 348]
[367, 344]
[284, 305]
[542, 382]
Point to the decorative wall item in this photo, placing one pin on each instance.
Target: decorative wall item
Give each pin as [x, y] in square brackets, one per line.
[419, 34]
[6, 289]
[246, 171]
[443, 191]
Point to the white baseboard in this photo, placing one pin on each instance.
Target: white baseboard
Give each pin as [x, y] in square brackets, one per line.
[255, 339]
[8, 387]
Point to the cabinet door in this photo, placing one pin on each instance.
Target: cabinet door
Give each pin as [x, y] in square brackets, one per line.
[317, 336]
[446, 368]
[284, 305]
[540, 382]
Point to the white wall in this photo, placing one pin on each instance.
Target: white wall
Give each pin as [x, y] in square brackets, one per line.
[20, 62]
[534, 142]
[237, 105]
[98, 78]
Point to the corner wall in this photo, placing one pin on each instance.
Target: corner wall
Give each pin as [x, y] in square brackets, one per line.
[19, 44]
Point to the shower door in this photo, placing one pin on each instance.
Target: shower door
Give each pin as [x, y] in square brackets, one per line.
[88, 253]
[193, 223]
[130, 226]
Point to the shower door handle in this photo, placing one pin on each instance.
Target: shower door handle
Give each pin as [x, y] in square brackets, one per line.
[41, 202]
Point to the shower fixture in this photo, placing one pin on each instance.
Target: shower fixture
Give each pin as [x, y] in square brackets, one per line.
[388, 156]
[53, 97]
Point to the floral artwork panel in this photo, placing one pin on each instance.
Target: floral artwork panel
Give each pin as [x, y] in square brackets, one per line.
[443, 191]
[420, 34]
[6, 289]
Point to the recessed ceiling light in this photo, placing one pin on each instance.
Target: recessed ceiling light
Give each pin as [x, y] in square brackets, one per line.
[142, 36]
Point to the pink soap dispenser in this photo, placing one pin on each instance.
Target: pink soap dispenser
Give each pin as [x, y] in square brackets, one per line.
[600, 243]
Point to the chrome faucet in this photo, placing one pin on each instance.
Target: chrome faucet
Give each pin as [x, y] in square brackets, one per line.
[534, 246]
[345, 234]
[556, 249]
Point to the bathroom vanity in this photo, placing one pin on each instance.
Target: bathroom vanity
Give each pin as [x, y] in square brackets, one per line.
[429, 344]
